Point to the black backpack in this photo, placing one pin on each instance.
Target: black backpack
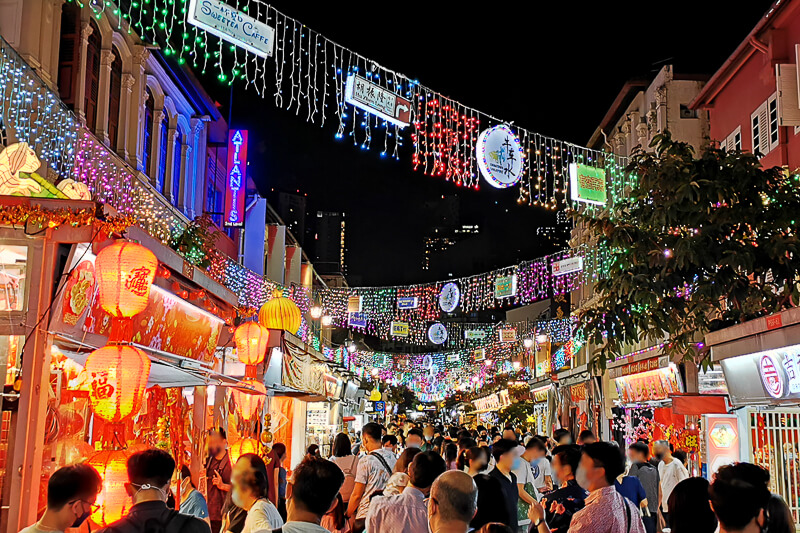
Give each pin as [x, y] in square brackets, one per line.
[173, 522]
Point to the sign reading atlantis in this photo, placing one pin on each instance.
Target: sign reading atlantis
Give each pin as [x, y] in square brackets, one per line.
[236, 182]
[232, 25]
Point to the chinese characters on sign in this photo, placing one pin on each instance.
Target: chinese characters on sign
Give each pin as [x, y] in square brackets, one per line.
[232, 25]
[567, 266]
[505, 287]
[399, 329]
[587, 184]
[377, 100]
[236, 182]
[499, 156]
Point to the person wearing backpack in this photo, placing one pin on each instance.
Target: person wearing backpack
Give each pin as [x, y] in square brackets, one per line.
[149, 474]
[343, 458]
[372, 474]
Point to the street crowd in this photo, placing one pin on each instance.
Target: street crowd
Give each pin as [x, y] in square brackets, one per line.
[430, 479]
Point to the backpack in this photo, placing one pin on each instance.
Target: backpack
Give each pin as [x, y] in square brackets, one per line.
[173, 524]
[349, 478]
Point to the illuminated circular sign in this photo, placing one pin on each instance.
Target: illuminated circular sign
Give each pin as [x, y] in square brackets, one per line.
[499, 155]
[770, 376]
[437, 333]
[449, 297]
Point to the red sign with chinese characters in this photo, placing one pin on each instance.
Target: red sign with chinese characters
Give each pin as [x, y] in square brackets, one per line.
[236, 181]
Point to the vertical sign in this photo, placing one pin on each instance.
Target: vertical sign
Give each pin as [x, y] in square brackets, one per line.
[236, 182]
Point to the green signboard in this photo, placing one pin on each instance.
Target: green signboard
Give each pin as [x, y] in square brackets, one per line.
[587, 184]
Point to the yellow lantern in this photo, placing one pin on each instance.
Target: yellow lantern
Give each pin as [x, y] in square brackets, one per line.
[117, 381]
[247, 403]
[113, 500]
[252, 340]
[280, 313]
[242, 447]
[125, 271]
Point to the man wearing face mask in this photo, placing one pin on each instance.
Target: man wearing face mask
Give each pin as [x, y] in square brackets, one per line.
[670, 473]
[428, 434]
[506, 458]
[218, 476]
[192, 502]
[149, 474]
[414, 439]
[525, 482]
[739, 497]
[71, 493]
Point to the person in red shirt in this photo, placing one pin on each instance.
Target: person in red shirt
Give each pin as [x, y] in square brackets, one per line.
[218, 476]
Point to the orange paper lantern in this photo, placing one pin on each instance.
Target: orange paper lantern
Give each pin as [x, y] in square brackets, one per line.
[252, 340]
[125, 271]
[112, 501]
[280, 313]
[117, 381]
[247, 403]
[242, 447]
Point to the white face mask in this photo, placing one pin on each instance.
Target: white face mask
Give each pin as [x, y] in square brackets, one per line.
[236, 497]
[581, 478]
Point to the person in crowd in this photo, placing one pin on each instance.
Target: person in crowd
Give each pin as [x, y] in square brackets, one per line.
[779, 516]
[540, 465]
[192, 502]
[670, 473]
[450, 454]
[312, 451]
[218, 476]
[474, 461]
[400, 478]
[586, 437]
[606, 510]
[390, 443]
[495, 527]
[374, 471]
[415, 438]
[316, 487]
[525, 481]
[250, 493]
[407, 512]
[278, 455]
[71, 493]
[453, 503]
[233, 516]
[428, 433]
[562, 436]
[465, 443]
[510, 434]
[641, 468]
[343, 457]
[680, 455]
[506, 456]
[631, 488]
[690, 511]
[740, 498]
[561, 504]
[149, 475]
[491, 502]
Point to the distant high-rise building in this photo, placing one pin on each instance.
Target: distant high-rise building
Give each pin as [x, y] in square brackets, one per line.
[443, 238]
[292, 210]
[329, 245]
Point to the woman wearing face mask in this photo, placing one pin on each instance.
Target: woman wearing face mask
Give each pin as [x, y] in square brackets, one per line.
[474, 461]
[71, 493]
[192, 502]
[569, 497]
[249, 492]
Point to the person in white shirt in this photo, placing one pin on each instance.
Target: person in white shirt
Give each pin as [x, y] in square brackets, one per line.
[670, 473]
[525, 481]
[249, 481]
[71, 493]
[316, 484]
[540, 465]
[374, 470]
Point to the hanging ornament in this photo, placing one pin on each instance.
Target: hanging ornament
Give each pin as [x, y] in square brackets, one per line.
[118, 375]
[125, 271]
[500, 157]
[437, 333]
[249, 402]
[241, 447]
[113, 500]
[449, 297]
[252, 340]
[280, 313]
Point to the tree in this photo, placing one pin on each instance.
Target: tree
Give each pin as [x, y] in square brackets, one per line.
[698, 244]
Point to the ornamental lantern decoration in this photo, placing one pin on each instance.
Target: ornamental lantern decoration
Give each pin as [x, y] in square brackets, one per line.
[125, 270]
[252, 340]
[112, 501]
[280, 313]
[247, 402]
[117, 381]
[242, 447]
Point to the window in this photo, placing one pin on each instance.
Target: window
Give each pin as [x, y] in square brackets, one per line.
[92, 88]
[733, 142]
[162, 153]
[764, 126]
[114, 96]
[176, 167]
[13, 273]
[148, 130]
[68, 49]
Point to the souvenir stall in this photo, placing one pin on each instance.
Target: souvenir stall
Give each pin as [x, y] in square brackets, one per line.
[576, 405]
[761, 363]
[540, 391]
[487, 408]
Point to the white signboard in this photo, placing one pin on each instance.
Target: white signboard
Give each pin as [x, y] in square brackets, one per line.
[499, 155]
[377, 100]
[474, 334]
[567, 266]
[222, 20]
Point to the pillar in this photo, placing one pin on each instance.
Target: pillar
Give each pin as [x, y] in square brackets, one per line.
[135, 125]
[172, 136]
[125, 122]
[106, 58]
[155, 151]
[276, 252]
[294, 260]
[80, 90]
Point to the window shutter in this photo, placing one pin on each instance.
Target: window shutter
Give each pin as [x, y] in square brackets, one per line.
[69, 46]
[760, 128]
[787, 95]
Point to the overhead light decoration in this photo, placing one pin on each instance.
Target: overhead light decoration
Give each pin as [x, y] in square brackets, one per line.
[316, 312]
[118, 375]
[437, 333]
[449, 297]
[327, 320]
[125, 271]
[541, 339]
[500, 156]
[280, 313]
[527, 342]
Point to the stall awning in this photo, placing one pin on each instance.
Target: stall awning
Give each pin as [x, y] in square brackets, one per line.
[699, 404]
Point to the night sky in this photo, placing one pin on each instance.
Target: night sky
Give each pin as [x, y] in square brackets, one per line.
[554, 68]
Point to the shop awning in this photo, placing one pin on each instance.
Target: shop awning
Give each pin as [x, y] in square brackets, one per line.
[699, 404]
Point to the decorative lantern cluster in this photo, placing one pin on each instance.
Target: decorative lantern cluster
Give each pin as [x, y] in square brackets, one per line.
[112, 501]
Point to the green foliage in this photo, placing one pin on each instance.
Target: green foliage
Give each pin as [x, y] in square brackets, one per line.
[699, 244]
[401, 396]
[197, 243]
[516, 414]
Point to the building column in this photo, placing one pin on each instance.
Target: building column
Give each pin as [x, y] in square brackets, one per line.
[172, 136]
[135, 124]
[187, 162]
[123, 133]
[155, 150]
[103, 96]
[195, 181]
[80, 90]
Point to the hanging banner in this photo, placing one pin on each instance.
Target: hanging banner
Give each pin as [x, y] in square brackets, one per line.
[377, 100]
[587, 184]
[479, 354]
[236, 182]
[499, 155]
[358, 320]
[567, 266]
[653, 363]
[222, 20]
[354, 304]
[508, 335]
[408, 303]
[474, 334]
[399, 329]
[505, 287]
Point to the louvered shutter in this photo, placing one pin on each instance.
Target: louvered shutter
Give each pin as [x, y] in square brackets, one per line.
[760, 127]
[69, 47]
[92, 87]
[114, 96]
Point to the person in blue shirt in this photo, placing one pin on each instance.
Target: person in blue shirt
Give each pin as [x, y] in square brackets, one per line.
[192, 502]
[631, 488]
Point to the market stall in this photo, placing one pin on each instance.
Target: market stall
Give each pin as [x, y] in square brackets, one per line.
[540, 392]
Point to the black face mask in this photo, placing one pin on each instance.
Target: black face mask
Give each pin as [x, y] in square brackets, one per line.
[659, 456]
[81, 519]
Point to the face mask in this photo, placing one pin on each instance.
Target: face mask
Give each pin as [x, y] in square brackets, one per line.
[81, 519]
[236, 496]
[659, 456]
[412, 445]
[516, 463]
[582, 478]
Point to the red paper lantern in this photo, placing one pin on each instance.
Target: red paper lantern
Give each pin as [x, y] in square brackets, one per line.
[113, 500]
[118, 379]
[125, 271]
[242, 447]
[280, 313]
[252, 340]
[247, 403]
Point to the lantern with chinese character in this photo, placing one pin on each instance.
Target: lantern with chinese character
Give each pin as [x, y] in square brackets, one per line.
[117, 381]
[251, 340]
[125, 271]
[113, 500]
[248, 402]
[242, 447]
[280, 313]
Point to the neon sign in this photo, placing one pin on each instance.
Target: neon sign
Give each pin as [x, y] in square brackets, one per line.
[236, 182]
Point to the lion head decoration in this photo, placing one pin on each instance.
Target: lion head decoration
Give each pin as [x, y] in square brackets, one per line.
[15, 159]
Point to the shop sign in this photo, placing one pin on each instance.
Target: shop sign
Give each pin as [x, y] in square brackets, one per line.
[380, 407]
[411, 302]
[540, 394]
[331, 386]
[499, 155]
[778, 371]
[474, 334]
[479, 354]
[722, 441]
[774, 321]
[358, 320]
[222, 20]
[508, 335]
[318, 414]
[452, 358]
[399, 329]
[587, 184]
[654, 363]
[429, 408]
[505, 287]
[236, 182]
[653, 385]
[377, 100]
[578, 393]
[449, 297]
[487, 403]
[567, 266]
[354, 304]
